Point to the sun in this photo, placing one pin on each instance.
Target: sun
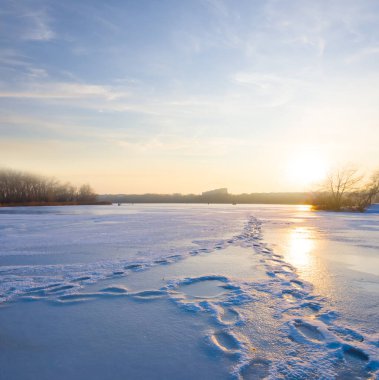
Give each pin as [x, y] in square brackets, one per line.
[306, 168]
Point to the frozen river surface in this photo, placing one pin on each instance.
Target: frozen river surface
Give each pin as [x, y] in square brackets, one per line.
[188, 291]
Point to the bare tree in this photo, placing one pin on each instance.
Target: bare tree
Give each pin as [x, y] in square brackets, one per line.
[366, 196]
[338, 183]
[86, 194]
[344, 189]
[19, 187]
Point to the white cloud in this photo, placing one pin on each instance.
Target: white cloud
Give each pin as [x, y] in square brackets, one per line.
[37, 26]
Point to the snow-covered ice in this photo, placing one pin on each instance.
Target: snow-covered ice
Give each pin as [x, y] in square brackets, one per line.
[188, 291]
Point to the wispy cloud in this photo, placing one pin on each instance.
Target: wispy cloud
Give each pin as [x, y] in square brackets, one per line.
[37, 26]
[13, 58]
[63, 90]
[27, 21]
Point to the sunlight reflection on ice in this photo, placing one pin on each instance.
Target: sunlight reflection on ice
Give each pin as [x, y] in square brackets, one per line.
[304, 207]
[301, 244]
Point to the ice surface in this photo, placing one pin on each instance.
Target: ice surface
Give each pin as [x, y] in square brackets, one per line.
[107, 338]
[171, 291]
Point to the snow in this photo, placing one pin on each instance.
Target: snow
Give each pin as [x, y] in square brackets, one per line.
[188, 291]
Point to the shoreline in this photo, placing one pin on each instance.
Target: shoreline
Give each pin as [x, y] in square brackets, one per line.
[31, 204]
[106, 203]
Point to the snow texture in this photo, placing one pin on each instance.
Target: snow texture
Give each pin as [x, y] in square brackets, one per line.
[265, 286]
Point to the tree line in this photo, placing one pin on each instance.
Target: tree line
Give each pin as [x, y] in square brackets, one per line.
[21, 187]
[345, 189]
[253, 198]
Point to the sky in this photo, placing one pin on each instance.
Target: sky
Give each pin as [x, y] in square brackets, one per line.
[186, 96]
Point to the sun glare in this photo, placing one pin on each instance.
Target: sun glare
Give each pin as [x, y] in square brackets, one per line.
[306, 169]
[301, 245]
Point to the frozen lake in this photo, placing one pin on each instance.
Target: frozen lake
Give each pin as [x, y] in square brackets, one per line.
[188, 291]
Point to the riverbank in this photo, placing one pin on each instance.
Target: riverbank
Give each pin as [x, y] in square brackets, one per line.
[34, 204]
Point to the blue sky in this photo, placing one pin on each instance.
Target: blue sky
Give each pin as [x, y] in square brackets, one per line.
[183, 96]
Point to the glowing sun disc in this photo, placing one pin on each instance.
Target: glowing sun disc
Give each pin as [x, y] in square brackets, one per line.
[306, 169]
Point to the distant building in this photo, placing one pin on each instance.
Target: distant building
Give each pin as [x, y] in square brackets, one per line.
[222, 191]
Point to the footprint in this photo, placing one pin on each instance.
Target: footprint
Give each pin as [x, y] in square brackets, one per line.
[289, 297]
[258, 368]
[348, 334]
[114, 289]
[61, 288]
[297, 284]
[37, 293]
[313, 306]
[273, 262]
[39, 288]
[174, 257]
[133, 266]
[79, 279]
[75, 298]
[225, 341]
[204, 288]
[148, 294]
[354, 354]
[309, 331]
[353, 365]
[161, 261]
[281, 275]
[229, 316]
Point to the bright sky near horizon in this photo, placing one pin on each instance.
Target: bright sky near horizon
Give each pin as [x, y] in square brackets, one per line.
[186, 96]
